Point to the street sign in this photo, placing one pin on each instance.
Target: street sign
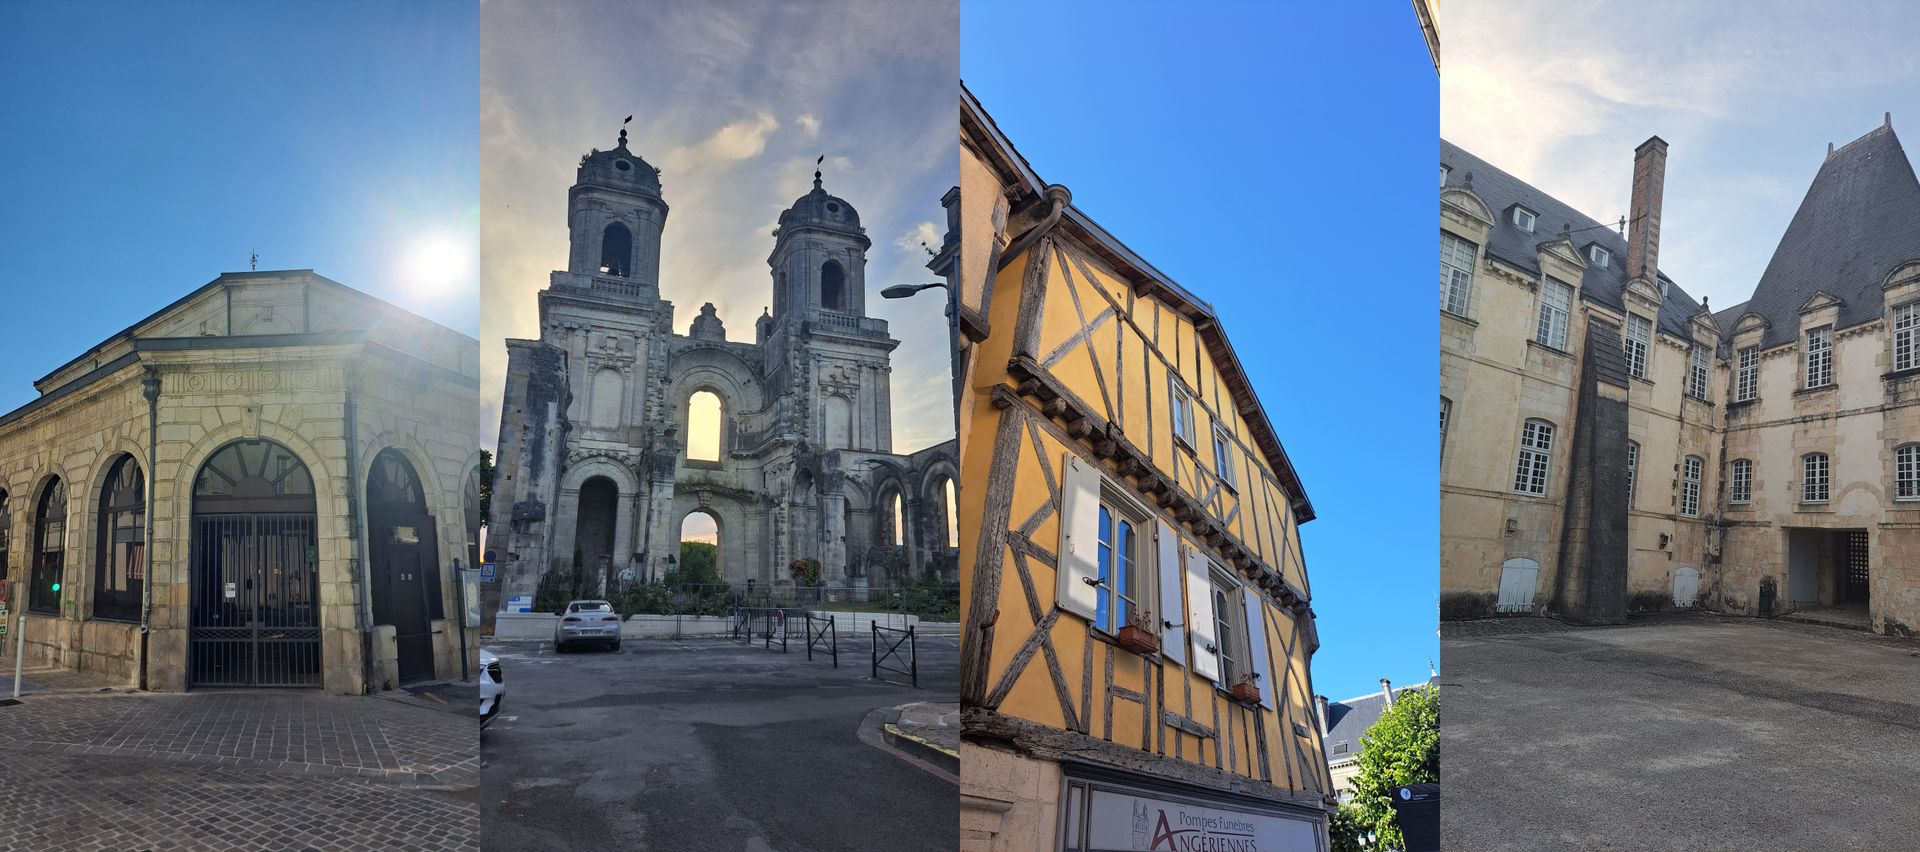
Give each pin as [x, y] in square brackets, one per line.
[488, 573]
[232, 591]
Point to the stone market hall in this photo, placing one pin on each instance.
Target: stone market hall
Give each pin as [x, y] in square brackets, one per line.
[268, 483]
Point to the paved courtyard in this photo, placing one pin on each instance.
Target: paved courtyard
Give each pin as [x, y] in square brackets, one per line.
[711, 745]
[118, 769]
[1678, 732]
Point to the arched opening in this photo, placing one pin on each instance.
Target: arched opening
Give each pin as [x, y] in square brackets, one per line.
[704, 421]
[403, 558]
[897, 534]
[604, 410]
[49, 548]
[838, 413]
[698, 562]
[254, 595]
[6, 533]
[833, 286]
[120, 553]
[948, 519]
[593, 545]
[616, 250]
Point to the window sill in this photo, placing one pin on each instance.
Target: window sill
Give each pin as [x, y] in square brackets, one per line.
[1534, 343]
[1738, 404]
[1896, 375]
[1816, 390]
[1459, 318]
[1700, 399]
[1101, 635]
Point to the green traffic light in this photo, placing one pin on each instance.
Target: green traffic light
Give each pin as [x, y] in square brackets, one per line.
[56, 587]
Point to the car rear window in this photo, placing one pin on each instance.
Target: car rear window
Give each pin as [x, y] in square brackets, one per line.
[593, 607]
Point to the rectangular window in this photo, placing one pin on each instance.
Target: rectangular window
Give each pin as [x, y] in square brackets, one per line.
[1229, 625]
[1524, 218]
[1121, 562]
[1747, 385]
[1182, 412]
[1556, 308]
[1813, 488]
[1906, 472]
[1536, 453]
[1446, 409]
[1633, 469]
[1820, 357]
[1741, 489]
[1456, 273]
[1697, 372]
[1223, 457]
[1639, 337]
[1600, 257]
[1690, 486]
[1906, 336]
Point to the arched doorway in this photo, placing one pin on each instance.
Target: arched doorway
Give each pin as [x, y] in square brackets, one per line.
[598, 511]
[255, 587]
[403, 562]
[699, 558]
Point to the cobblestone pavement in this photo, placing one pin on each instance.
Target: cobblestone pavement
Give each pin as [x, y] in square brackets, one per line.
[1680, 731]
[85, 770]
[705, 744]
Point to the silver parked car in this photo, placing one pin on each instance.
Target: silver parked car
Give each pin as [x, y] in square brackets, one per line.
[584, 623]
[493, 687]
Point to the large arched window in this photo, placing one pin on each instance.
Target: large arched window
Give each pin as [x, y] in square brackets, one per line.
[616, 250]
[49, 549]
[1813, 484]
[704, 421]
[1536, 456]
[949, 518]
[833, 286]
[897, 516]
[119, 563]
[1906, 477]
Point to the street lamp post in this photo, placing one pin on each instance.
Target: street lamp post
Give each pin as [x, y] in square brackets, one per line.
[902, 291]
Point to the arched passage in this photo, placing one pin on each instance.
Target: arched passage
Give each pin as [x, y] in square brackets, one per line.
[699, 559]
[254, 590]
[403, 562]
[593, 538]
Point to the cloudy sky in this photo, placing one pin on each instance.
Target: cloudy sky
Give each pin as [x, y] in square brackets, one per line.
[1560, 94]
[732, 101]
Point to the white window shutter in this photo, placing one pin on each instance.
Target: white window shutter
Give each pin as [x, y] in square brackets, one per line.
[1173, 641]
[1206, 650]
[1257, 645]
[1079, 538]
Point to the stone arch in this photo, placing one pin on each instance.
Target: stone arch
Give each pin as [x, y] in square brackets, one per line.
[567, 513]
[1469, 202]
[833, 286]
[95, 572]
[705, 431]
[332, 531]
[730, 513]
[616, 249]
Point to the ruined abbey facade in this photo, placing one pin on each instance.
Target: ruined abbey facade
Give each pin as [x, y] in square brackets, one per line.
[599, 461]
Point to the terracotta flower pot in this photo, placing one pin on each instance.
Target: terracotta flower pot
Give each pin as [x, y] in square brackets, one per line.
[1138, 640]
[1246, 693]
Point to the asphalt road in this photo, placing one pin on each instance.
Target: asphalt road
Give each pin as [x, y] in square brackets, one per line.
[1685, 732]
[706, 744]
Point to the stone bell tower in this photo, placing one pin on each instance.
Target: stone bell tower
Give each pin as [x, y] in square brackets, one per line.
[819, 259]
[614, 218]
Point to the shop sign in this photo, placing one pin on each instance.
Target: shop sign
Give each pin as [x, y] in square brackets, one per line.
[1127, 822]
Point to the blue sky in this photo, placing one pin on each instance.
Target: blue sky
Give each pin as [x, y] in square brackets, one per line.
[1278, 162]
[1747, 103]
[151, 147]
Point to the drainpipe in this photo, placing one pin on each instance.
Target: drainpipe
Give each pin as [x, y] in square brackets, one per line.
[149, 388]
[1058, 197]
[359, 547]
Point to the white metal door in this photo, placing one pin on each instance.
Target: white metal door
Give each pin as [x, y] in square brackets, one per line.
[1517, 580]
[1686, 587]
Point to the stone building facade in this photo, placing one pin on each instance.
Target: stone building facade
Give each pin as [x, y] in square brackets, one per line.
[1609, 444]
[597, 467]
[1138, 634]
[269, 482]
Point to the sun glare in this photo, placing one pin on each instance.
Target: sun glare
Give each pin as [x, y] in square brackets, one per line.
[438, 261]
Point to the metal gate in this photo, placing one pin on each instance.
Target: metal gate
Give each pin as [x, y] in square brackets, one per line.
[255, 601]
[1856, 577]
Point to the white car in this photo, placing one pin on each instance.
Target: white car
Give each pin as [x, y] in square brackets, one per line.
[493, 687]
[586, 622]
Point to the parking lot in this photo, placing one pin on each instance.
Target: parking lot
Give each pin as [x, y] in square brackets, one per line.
[1678, 732]
[711, 744]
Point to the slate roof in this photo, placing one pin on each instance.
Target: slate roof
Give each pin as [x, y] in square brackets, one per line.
[1859, 220]
[1348, 720]
[1519, 248]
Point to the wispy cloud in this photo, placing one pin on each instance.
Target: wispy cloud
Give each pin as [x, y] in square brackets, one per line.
[1560, 95]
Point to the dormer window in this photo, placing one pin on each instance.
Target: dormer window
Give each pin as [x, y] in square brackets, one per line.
[1524, 218]
[1600, 257]
[1444, 172]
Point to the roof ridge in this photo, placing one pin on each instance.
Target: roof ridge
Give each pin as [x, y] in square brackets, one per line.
[1886, 128]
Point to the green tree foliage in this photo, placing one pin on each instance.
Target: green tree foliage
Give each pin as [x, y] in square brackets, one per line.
[699, 563]
[1402, 748]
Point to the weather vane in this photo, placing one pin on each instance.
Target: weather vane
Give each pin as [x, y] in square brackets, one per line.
[816, 170]
[623, 131]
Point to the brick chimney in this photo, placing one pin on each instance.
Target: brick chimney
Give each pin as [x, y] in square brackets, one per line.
[1387, 690]
[1320, 705]
[1643, 231]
